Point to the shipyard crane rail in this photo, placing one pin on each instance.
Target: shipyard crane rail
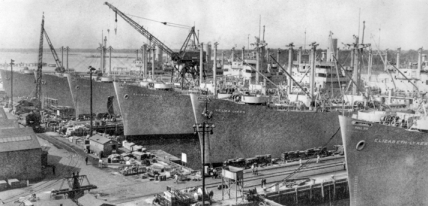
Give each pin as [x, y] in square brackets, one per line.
[54, 54]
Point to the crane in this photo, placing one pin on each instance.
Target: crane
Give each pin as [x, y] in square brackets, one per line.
[39, 66]
[59, 68]
[189, 59]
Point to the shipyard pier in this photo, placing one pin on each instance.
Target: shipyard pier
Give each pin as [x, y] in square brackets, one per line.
[213, 103]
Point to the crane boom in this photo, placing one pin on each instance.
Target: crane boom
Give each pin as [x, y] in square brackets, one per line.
[40, 64]
[143, 31]
[55, 56]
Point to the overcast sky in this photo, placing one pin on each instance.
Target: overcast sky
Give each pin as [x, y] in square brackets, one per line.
[79, 24]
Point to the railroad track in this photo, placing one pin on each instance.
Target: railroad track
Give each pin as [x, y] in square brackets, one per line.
[266, 174]
[64, 172]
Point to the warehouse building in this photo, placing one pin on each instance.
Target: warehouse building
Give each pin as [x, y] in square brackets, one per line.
[102, 146]
[20, 154]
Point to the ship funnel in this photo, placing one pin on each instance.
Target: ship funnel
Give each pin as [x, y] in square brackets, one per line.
[418, 73]
[201, 64]
[323, 57]
[332, 50]
[233, 54]
[398, 58]
[145, 60]
[299, 57]
[243, 53]
[208, 55]
[424, 57]
[160, 56]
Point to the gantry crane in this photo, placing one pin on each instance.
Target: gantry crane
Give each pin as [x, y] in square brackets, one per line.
[189, 59]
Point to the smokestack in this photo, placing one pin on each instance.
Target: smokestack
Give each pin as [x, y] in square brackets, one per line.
[333, 50]
[243, 53]
[398, 58]
[222, 59]
[233, 54]
[370, 64]
[386, 59]
[418, 72]
[145, 60]
[201, 64]
[215, 69]
[290, 63]
[208, 55]
[160, 57]
[153, 61]
[299, 56]
[257, 65]
[323, 58]
[424, 57]
[277, 56]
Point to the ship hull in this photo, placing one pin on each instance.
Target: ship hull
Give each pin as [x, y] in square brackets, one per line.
[56, 87]
[80, 88]
[246, 130]
[23, 83]
[386, 165]
[153, 112]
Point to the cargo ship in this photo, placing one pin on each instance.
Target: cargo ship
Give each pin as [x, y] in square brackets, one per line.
[386, 164]
[23, 82]
[102, 90]
[400, 78]
[151, 108]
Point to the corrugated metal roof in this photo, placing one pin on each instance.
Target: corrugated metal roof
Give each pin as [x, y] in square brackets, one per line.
[100, 139]
[18, 139]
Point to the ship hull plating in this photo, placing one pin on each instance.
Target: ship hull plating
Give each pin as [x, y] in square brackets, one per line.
[81, 93]
[386, 165]
[23, 84]
[247, 130]
[56, 87]
[153, 112]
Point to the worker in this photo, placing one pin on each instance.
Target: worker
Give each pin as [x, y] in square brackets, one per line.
[253, 166]
[86, 160]
[196, 196]
[211, 194]
[318, 158]
[53, 169]
[176, 178]
[262, 181]
[256, 169]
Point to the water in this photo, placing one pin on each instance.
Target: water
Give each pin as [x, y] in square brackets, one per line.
[80, 61]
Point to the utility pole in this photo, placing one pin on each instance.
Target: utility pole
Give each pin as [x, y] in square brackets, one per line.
[67, 49]
[11, 83]
[91, 69]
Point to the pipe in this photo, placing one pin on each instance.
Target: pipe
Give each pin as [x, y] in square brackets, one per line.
[312, 80]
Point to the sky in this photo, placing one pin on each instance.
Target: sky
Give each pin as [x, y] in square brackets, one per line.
[80, 24]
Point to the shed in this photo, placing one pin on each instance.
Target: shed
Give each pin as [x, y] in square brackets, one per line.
[102, 146]
[20, 154]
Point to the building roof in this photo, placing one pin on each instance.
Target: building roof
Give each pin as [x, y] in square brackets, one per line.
[18, 139]
[100, 139]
